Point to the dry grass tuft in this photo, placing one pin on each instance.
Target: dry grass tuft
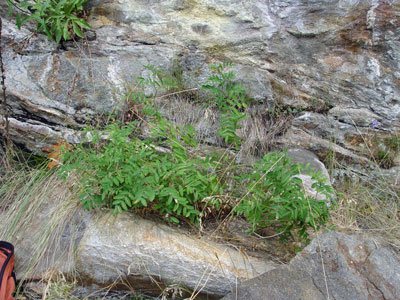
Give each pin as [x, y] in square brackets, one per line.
[368, 205]
[40, 215]
[260, 131]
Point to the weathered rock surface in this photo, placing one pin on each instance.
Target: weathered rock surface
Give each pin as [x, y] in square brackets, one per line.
[352, 267]
[307, 158]
[125, 247]
[337, 61]
[304, 157]
[58, 235]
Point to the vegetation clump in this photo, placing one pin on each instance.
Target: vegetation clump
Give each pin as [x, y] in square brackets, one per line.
[58, 19]
[276, 197]
[163, 171]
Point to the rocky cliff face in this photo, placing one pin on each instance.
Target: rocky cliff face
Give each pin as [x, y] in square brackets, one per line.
[337, 62]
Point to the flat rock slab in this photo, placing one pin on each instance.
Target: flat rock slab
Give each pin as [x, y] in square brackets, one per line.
[352, 267]
[120, 247]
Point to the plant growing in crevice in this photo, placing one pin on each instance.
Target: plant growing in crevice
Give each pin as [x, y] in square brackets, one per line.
[159, 79]
[320, 106]
[279, 110]
[384, 149]
[231, 100]
[58, 19]
[125, 172]
[161, 171]
[275, 196]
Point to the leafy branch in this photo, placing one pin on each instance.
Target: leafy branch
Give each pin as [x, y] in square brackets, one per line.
[230, 98]
[58, 19]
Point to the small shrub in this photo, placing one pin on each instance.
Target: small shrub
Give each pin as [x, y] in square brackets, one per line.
[276, 197]
[58, 19]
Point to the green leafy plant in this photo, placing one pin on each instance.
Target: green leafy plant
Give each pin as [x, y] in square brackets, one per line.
[230, 98]
[276, 197]
[124, 172]
[163, 173]
[58, 19]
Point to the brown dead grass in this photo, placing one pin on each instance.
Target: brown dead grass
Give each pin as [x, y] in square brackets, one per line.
[369, 205]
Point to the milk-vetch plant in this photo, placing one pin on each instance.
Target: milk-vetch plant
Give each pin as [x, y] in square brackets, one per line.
[58, 19]
[124, 172]
[276, 197]
[231, 100]
[162, 172]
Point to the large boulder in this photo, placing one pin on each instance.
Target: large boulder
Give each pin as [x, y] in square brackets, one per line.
[126, 247]
[336, 62]
[335, 266]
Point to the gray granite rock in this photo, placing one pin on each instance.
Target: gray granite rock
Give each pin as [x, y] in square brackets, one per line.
[126, 247]
[304, 157]
[343, 266]
[337, 61]
[282, 284]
